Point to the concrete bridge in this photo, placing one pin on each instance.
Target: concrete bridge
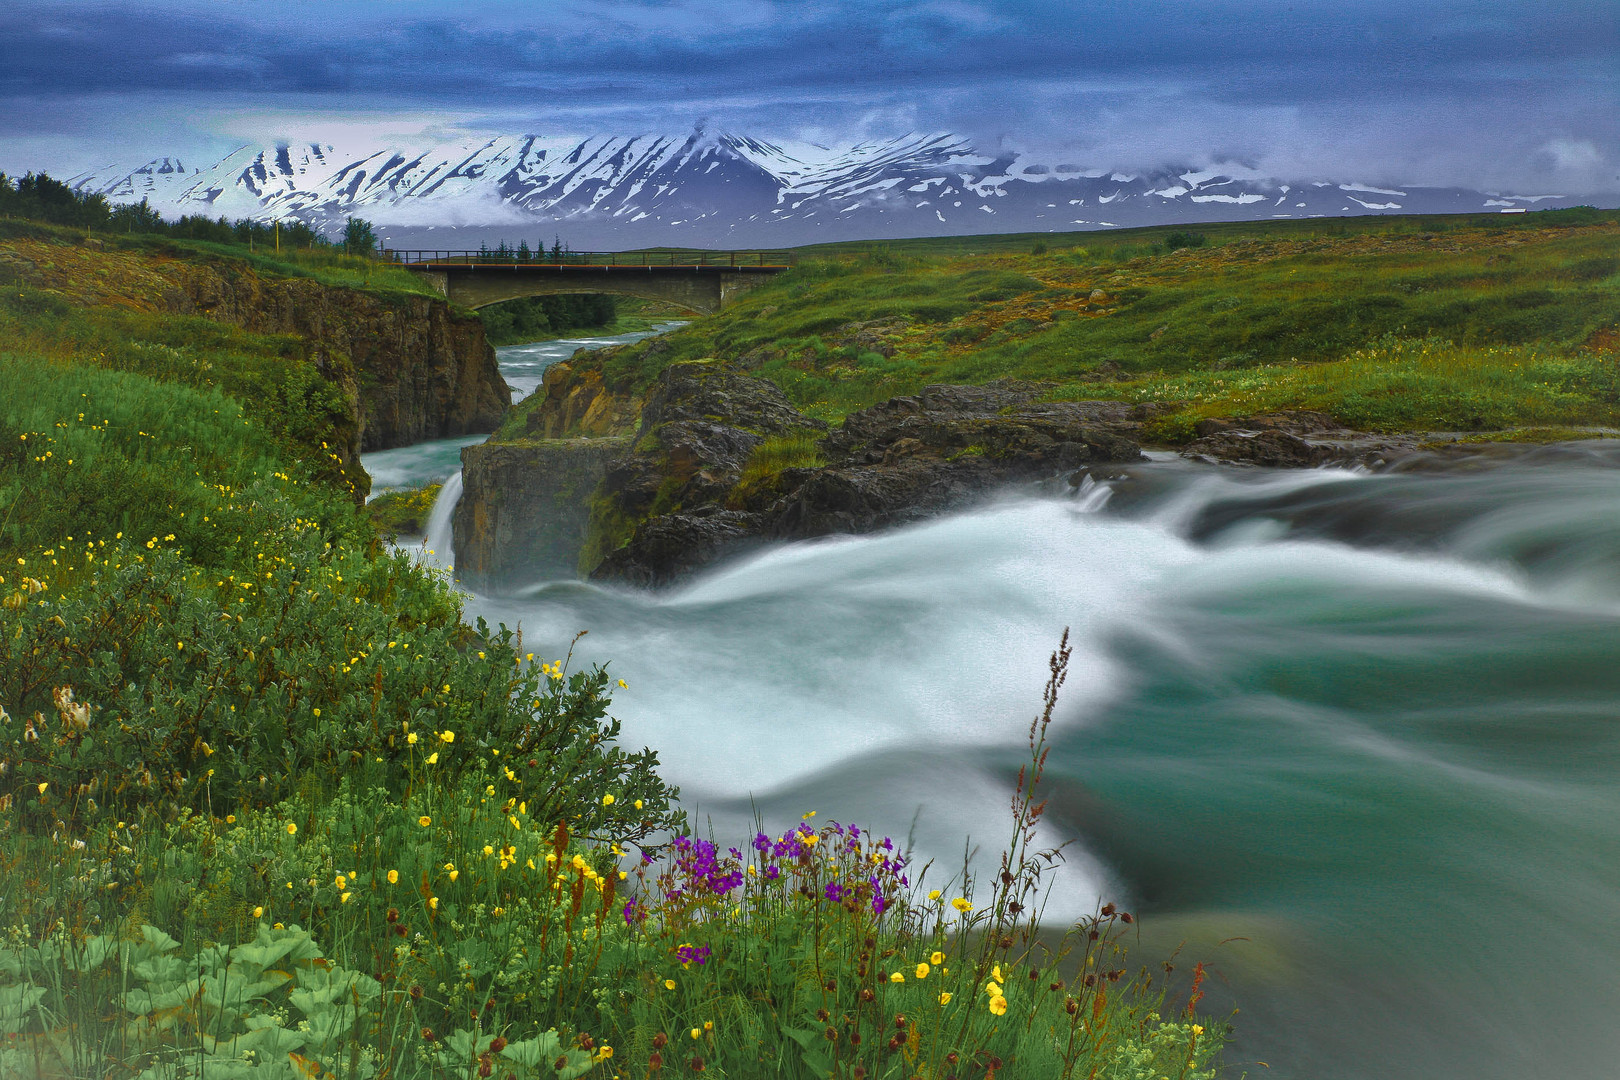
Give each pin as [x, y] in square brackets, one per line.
[703, 282]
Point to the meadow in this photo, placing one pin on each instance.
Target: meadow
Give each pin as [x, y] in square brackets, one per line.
[1454, 323]
[269, 808]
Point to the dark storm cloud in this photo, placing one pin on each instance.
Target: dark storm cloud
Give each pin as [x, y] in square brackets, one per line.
[1443, 74]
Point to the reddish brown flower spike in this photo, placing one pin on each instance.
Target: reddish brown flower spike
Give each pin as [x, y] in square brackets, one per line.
[660, 1041]
[498, 1044]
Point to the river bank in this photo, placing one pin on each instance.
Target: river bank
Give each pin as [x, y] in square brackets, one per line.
[1313, 732]
[1324, 728]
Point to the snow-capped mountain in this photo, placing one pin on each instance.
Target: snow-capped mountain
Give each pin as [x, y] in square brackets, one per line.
[722, 189]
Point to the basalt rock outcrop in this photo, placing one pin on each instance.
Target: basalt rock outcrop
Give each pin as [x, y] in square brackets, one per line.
[721, 461]
[1294, 440]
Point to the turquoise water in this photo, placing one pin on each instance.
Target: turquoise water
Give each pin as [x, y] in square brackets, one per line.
[1352, 739]
[523, 366]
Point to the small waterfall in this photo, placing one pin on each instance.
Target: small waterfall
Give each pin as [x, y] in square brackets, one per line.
[436, 547]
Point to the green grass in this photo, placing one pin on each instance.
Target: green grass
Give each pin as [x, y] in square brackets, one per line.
[795, 451]
[1398, 384]
[403, 513]
[324, 266]
[83, 309]
[1257, 297]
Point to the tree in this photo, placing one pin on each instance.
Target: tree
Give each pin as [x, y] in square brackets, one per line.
[358, 239]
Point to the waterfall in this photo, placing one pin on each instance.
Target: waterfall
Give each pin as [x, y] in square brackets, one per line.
[436, 547]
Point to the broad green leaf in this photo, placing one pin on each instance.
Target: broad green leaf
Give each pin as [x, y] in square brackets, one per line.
[16, 1002]
[532, 1053]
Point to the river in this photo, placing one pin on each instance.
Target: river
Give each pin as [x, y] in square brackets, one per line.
[1352, 738]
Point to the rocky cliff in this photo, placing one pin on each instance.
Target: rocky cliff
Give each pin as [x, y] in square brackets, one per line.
[407, 366]
[422, 370]
[718, 461]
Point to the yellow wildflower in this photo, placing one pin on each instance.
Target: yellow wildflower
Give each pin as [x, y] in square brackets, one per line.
[341, 882]
[937, 959]
[258, 911]
[998, 1005]
[489, 850]
[708, 1025]
[1198, 1029]
[230, 819]
[669, 984]
[896, 977]
[945, 998]
[433, 758]
[393, 877]
[291, 828]
[447, 736]
[411, 739]
[607, 800]
[922, 971]
[424, 821]
[345, 897]
[961, 905]
[638, 804]
[433, 902]
[454, 874]
[934, 895]
[43, 785]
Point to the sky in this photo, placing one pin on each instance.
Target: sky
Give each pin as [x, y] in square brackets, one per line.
[1478, 93]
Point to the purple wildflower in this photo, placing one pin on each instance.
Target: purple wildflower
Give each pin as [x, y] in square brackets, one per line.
[692, 954]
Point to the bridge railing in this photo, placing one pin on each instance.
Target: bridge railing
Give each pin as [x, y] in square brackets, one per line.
[539, 259]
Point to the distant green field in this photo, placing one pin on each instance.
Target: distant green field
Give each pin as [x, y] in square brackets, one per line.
[1093, 312]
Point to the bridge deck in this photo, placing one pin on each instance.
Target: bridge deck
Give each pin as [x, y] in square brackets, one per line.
[768, 261]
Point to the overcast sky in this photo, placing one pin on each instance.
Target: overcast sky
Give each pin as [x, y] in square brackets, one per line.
[1481, 93]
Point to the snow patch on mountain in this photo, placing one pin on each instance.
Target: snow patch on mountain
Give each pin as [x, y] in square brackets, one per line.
[716, 188]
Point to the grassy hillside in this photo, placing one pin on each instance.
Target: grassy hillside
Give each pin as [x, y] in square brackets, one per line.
[1223, 320]
[325, 265]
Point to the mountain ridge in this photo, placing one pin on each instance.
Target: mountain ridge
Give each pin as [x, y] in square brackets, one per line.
[719, 188]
